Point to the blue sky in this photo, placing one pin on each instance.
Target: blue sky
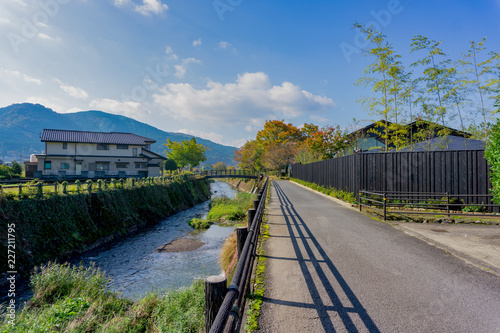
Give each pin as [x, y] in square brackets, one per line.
[216, 69]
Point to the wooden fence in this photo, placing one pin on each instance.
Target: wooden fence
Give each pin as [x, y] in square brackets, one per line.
[453, 172]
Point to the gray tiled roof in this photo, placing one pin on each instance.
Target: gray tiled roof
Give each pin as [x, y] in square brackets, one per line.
[50, 135]
[439, 143]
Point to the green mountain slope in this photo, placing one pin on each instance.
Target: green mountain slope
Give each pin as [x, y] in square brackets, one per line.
[22, 124]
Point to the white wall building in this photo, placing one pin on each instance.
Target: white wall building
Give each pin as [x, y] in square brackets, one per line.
[97, 154]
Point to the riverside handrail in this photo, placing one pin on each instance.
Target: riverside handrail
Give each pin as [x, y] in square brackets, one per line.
[228, 316]
[229, 172]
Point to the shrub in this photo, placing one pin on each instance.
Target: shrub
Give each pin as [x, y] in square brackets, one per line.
[492, 154]
[200, 223]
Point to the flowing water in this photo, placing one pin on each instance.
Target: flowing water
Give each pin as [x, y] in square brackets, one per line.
[134, 267]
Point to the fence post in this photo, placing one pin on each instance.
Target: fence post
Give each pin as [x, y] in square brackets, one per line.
[385, 206]
[447, 204]
[256, 204]
[241, 237]
[359, 200]
[55, 187]
[20, 190]
[215, 291]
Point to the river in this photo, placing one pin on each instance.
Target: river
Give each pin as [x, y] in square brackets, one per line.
[135, 268]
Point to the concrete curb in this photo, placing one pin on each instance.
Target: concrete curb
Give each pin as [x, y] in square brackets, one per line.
[459, 254]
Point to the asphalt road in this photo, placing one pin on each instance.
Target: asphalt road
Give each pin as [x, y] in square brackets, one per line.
[332, 269]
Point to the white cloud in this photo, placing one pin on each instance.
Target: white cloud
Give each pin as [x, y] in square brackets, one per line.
[119, 3]
[75, 92]
[250, 100]
[50, 38]
[4, 21]
[224, 45]
[318, 119]
[149, 7]
[197, 42]
[21, 76]
[180, 70]
[72, 91]
[170, 53]
[129, 109]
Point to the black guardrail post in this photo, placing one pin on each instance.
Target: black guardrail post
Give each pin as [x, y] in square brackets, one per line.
[385, 206]
[215, 291]
[241, 237]
[447, 204]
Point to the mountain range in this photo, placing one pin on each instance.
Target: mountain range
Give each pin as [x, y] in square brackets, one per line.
[22, 124]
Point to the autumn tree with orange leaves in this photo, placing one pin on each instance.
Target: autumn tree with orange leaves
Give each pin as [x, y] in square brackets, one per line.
[278, 144]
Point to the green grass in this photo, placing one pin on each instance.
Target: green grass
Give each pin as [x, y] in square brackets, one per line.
[200, 223]
[258, 281]
[75, 299]
[223, 208]
[339, 194]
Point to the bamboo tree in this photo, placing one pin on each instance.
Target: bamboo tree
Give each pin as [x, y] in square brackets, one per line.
[399, 91]
[434, 76]
[456, 92]
[478, 69]
[378, 76]
[411, 88]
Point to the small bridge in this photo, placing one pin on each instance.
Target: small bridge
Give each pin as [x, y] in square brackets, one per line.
[230, 174]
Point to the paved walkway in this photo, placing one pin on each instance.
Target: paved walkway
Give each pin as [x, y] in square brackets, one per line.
[332, 269]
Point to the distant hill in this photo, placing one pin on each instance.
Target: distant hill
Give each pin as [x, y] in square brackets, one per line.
[22, 124]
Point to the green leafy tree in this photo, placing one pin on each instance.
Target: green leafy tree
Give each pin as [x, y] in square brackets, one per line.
[16, 168]
[219, 166]
[456, 94]
[379, 75]
[186, 152]
[478, 71]
[494, 83]
[170, 165]
[492, 154]
[249, 156]
[434, 76]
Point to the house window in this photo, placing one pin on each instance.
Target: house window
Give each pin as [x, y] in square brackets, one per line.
[47, 165]
[64, 166]
[102, 166]
[121, 146]
[140, 166]
[65, 145]
[121, 165]
[148, 146]
[102, 146]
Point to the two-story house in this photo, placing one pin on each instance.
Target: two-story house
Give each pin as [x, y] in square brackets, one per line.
[96, 154]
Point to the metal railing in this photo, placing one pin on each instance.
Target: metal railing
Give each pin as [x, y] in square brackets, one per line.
[229, 172]
[424, 202]
[229, 315]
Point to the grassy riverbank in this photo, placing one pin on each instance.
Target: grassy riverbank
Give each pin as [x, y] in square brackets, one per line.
[235, 210]
[75, 299]
[62, 226]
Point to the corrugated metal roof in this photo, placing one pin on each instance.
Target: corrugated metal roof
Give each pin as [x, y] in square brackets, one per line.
[51, 135]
